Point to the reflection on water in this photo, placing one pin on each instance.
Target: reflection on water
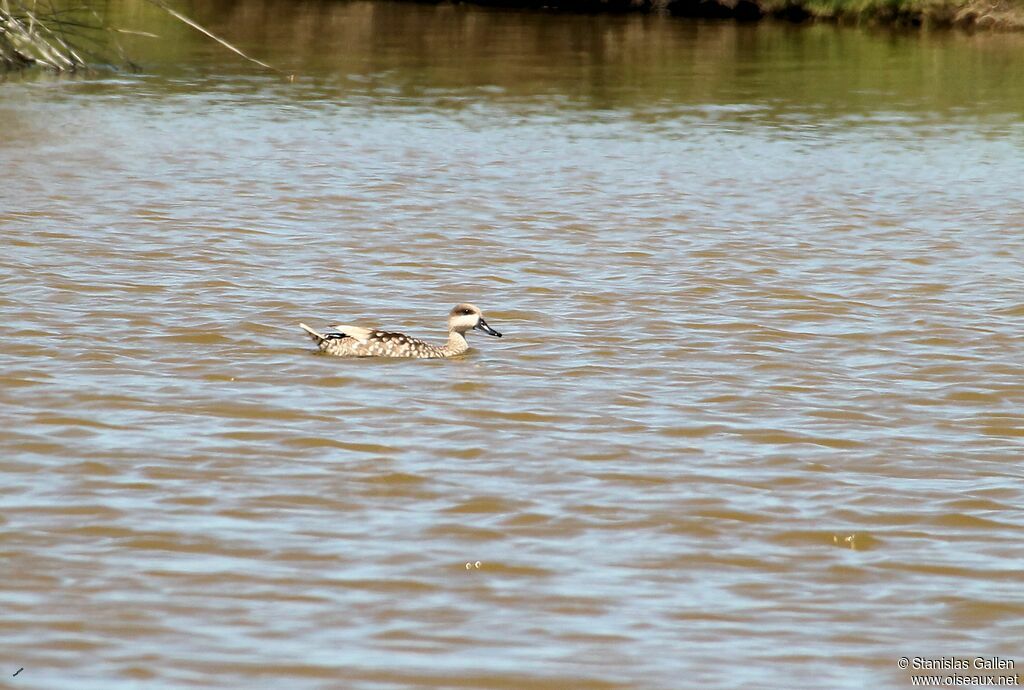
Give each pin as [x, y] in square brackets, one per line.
[756, 415]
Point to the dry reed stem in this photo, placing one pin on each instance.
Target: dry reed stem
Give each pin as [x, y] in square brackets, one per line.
[179, 16]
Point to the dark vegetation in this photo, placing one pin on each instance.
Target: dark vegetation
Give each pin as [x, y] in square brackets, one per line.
[967, 14]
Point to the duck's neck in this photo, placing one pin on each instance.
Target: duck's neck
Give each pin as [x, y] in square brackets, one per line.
[456, 344]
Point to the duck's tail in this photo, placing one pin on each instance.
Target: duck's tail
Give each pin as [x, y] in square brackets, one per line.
[317, 337]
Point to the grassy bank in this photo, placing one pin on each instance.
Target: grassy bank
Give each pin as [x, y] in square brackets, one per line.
[36, 34]
[67, 37]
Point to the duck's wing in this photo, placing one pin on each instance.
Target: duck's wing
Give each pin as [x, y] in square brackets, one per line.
[361, 335]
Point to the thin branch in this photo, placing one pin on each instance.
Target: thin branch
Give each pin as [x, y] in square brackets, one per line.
[133, 32]
[197, 27]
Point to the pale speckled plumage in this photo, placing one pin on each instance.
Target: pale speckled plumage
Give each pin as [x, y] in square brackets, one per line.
[355, 341]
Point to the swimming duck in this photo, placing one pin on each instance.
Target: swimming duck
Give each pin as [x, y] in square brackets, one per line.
[353, 341]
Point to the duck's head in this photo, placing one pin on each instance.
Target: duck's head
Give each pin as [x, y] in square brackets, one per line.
[464, 317]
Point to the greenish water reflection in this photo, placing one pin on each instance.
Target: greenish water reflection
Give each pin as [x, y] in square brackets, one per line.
[402, 51]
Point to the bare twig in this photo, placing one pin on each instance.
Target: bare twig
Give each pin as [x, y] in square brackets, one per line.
[133, 32]
[179, 16]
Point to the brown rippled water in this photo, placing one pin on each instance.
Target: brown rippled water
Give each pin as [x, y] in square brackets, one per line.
[756, 420]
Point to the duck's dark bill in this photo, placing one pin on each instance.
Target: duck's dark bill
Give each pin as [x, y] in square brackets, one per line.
[482, 326]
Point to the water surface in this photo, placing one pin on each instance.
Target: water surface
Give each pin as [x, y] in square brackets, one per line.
[756, 419]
